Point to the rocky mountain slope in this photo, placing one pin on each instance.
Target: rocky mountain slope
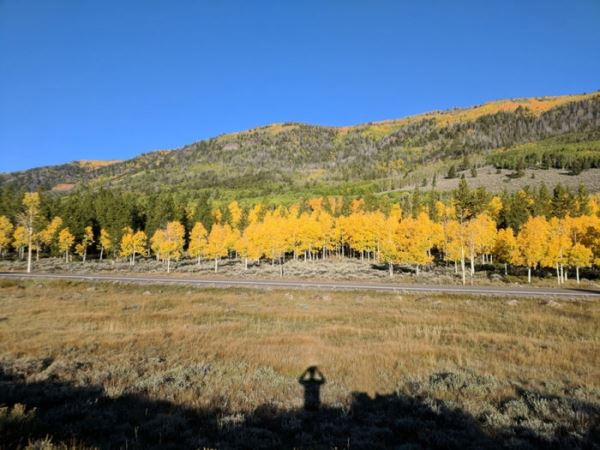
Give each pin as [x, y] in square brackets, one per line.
[516, 135]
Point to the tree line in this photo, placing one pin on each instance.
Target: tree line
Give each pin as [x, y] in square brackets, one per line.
[467, 228]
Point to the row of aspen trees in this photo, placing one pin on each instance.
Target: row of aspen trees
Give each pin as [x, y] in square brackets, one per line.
[278, 234]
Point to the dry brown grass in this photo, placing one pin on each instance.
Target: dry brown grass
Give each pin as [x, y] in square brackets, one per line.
[363, 341]
[236, 350]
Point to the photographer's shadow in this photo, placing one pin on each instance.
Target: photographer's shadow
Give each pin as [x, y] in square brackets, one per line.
[312, 379]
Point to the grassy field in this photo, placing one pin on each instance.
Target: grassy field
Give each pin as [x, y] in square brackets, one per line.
[121, 366]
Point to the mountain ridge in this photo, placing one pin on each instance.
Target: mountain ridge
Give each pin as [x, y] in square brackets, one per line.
[393, 151]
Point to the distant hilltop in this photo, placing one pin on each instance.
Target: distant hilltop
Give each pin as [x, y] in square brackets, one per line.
[549, 135]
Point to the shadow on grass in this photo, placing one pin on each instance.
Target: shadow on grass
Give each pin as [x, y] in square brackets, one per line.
[86, 416]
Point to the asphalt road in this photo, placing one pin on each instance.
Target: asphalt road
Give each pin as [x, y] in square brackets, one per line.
[307, 284]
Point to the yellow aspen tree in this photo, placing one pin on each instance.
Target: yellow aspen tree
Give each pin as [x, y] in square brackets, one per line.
[87, 240]
[293, 226]
[340, 234]
[505, 247]
[65, 242]
[126, 244]
[48, 235]
[481, 234]
[334, 204]
[414, 241]
[557, 247]
[494, 207]
[80, 249]
[257, 242]
[171, 245]
[532, 243]
[132, 243]
[579, 256]
[156, 242]
[275, 236]
[242, 246]
[247, 245]
[326, 222]
[254, 213]
[455, 242]
[231, 237]
[589, 236]
[388, 247]
[6, 230]
[198, 241]
[20, 240]
[139, 240]
[444, 215]
[28, 219]
[235, 214]
[359, 236]
[189, 211]
[217, 244]
[377, 223]
[105, 242]
[585, 230]
[308, 236]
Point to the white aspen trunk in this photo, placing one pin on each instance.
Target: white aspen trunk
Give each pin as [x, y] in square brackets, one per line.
[246, 263]
[577, 273]
[417, 270]
[29, 253]
[280, 266]
[472, 259]
[84, 254]
[391, 267]
[462, 265]
[168, 264]
[505, 269]
[101, 252]
[216, 264]
[529, 275]
[558, 278]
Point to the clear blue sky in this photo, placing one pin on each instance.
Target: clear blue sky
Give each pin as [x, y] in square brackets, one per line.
[83, 79]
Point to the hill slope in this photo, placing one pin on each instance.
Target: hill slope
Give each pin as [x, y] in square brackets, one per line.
[548, 132]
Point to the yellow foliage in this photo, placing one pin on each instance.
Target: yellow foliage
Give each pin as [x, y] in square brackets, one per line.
[235, 214]
[532, 242]
[6, 229]
[19, 237]
[132, 243]
[65, 242]
[198, 240]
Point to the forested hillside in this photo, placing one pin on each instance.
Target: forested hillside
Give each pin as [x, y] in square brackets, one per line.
[535, 133]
